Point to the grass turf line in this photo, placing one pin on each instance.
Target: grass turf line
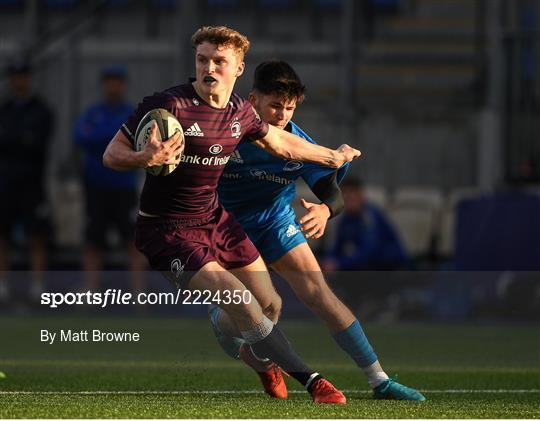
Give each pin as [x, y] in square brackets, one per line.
[182, 355]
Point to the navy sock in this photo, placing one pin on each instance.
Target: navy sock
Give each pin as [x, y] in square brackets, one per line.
[277, 348]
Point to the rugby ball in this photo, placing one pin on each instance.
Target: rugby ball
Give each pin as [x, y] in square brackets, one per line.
[168, 125]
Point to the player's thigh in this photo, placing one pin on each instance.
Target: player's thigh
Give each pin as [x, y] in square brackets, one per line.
[277, 238]
[300, 269]
[214, 278]
[237, 253]
[256, 278]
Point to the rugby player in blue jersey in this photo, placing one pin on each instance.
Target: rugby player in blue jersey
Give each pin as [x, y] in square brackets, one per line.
[258, 189]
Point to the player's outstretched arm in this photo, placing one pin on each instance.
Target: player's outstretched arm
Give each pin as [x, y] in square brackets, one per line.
[121, 156]
[291, 147]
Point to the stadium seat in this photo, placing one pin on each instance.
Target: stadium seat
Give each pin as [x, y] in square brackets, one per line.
[418, 196]
[416, 213]
[415, 226]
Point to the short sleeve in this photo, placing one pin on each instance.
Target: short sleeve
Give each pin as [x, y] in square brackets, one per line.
[313, 172]
[257, 128]
[158, 100]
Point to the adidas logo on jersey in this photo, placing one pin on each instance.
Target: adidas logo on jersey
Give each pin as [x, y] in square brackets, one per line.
[194, 131]
[236, 157]
[291, 230]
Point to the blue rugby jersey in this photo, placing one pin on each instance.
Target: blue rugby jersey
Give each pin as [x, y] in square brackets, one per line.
[259, 187]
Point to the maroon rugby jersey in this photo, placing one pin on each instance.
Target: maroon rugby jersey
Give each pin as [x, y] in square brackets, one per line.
[211, 135]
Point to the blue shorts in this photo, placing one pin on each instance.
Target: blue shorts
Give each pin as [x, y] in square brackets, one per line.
[276, 238]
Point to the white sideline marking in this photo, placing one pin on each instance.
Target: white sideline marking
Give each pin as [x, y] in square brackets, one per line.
[240, 392]
[234, 364]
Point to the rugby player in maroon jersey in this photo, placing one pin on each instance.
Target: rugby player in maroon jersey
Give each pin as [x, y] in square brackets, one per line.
[183, 230]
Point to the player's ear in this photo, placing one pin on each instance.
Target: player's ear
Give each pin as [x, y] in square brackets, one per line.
[252, 98]
[240, 69]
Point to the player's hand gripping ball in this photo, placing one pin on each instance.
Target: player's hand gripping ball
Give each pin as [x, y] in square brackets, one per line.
[167, 125]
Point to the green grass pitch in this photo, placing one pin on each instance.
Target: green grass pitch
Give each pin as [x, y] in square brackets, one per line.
[178, 371]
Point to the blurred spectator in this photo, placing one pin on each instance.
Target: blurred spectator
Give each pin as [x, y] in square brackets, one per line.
[110, 196]
[26, 125]
[365, 239]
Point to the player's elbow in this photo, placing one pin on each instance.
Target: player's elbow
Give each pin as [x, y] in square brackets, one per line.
[107, 159]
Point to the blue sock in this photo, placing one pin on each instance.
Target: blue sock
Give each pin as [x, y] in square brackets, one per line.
[354, 342]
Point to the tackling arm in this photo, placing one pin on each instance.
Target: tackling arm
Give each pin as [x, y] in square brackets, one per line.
[291, 147]
[328, 192]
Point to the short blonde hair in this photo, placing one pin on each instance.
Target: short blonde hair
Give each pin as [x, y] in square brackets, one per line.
[221, 36]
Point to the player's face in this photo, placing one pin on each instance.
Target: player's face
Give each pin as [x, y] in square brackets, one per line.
[273, 109]
[216, 68]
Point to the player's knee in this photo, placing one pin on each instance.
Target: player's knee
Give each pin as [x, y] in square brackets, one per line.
[273, 310]
[315, 292]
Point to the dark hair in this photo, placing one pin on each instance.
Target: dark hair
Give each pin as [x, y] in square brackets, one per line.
[352, 182]
[277, 77]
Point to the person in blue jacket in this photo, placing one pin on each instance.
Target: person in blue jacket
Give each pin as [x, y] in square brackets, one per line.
[364, 239]
[109, 195]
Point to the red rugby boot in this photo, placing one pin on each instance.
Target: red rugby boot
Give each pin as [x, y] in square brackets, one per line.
[270, 373]
[324, 392]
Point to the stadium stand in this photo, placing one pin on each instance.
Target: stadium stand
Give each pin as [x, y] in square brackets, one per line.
[414, 116]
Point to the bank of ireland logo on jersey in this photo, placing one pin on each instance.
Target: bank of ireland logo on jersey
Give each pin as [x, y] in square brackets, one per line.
[291, 230]
[215, 149]
[293, 166]
[236, 128]
[177, 268]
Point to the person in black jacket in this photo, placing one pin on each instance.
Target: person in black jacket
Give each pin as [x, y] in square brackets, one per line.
[26, 125]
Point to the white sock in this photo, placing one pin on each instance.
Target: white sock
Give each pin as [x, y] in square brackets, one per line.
[259, 332]
[375, 374]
